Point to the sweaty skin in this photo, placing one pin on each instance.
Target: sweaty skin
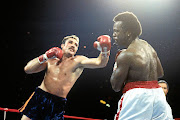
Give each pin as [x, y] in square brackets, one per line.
[62, 73]
[138, 63]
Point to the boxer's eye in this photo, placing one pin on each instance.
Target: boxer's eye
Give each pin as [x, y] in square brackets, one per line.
[70, 42]
[76, 44]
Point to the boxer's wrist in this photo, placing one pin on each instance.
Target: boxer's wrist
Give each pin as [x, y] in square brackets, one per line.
[106, 54]
[42, 58]
[52, 53]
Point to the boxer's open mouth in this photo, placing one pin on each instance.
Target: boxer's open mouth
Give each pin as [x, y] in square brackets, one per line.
[71, 49]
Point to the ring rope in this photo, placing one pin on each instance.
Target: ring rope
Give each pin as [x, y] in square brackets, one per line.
[65, 116]
[9, 110]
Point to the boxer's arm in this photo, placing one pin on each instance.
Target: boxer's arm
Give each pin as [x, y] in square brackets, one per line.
[119, 75]
[38, 64]
[102, 44]
[99, 62]
[34, 66]
[160, 70]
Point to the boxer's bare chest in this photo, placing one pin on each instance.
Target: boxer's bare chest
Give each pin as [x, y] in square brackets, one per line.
[61, 76]
[59, 68]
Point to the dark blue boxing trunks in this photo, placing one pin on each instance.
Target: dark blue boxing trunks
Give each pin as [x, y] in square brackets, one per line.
[44, 106]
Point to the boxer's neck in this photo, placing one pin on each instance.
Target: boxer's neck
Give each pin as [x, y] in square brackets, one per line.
[130, 41]
[66, 56]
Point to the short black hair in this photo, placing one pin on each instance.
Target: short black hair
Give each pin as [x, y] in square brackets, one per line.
[130, 23]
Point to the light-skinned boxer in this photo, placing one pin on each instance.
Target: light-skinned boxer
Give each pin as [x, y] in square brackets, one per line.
[63, 69]
[137, 72]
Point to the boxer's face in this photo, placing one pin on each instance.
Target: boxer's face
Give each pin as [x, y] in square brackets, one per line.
[118, 33]
[164, 87]
[70, 47]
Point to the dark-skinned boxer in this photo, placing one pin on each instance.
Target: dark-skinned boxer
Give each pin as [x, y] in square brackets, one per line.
[138, 69]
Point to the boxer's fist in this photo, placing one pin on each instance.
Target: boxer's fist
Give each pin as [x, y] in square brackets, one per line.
[103, 43]
[54, 52]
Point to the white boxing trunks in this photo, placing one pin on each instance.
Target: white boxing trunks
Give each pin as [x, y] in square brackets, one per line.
[142, 100]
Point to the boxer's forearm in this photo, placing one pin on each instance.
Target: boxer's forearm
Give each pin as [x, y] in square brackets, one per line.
[115, 83]
[99, 62]
[103, 59]
[34, 66]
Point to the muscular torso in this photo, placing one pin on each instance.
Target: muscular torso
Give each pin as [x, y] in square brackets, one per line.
[143, 66]
[61, 76]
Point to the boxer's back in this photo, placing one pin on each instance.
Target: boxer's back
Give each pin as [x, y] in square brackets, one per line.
[144, 64]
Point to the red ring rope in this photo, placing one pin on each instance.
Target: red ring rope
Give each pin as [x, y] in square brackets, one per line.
[65, 116]
[82, 118]
[9, 110]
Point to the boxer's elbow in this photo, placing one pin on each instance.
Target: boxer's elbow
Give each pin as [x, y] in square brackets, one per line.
[27, 70]
[115, 88]
[160, 74]
[114, 85]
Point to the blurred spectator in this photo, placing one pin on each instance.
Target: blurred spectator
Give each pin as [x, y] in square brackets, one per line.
[164, 85]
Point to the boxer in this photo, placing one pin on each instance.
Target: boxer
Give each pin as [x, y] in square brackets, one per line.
[63, 69]
[138, 68]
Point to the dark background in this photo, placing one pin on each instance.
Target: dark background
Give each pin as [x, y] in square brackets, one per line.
[31, 27]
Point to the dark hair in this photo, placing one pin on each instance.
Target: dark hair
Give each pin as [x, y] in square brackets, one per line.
[129, 23]
[71, 36]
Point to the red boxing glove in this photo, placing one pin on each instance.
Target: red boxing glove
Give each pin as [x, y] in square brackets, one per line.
[54, 52]
[103, 44]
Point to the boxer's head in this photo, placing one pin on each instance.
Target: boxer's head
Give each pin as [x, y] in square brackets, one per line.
[164, 85]
[70, 45]
[126, 28]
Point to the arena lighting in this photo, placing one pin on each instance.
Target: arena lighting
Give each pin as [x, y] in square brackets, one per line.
[108, 105]
[104, 102]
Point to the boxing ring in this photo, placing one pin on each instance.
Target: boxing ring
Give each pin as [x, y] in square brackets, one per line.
[65, 116]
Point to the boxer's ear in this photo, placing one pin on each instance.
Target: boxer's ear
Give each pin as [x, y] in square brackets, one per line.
[128, 33]
[62, 45]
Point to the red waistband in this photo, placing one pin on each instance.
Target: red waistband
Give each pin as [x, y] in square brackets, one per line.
[141, 84]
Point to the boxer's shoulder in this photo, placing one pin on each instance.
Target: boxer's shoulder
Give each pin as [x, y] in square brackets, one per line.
[126, 57]
[126, 54]
[79, 58]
